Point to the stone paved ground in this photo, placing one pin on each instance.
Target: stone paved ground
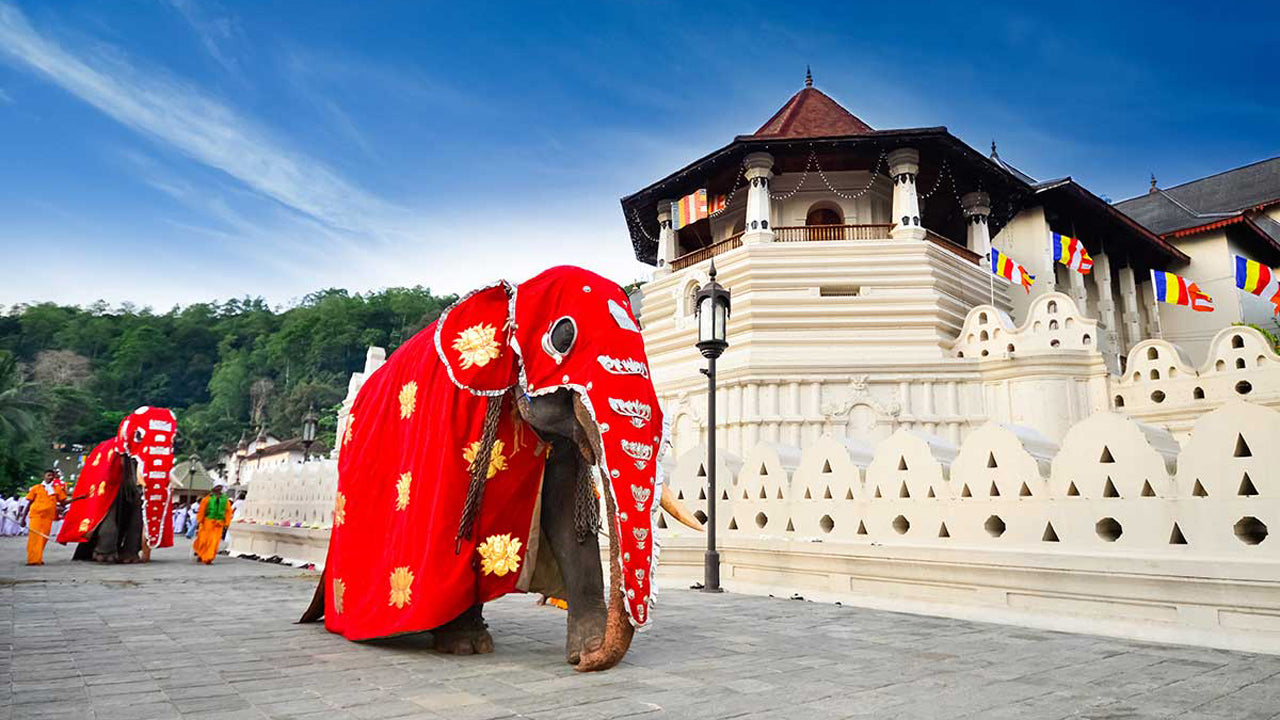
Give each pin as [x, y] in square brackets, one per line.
[174, 640]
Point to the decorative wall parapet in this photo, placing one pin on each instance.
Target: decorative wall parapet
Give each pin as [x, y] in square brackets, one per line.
[1161, 386]
[1053, 323]
[1115, 486]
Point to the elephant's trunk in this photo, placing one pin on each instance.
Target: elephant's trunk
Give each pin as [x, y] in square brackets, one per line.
[617, 630]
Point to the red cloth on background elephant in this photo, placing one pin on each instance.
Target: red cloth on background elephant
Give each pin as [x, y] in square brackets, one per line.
[415, 542]
[141, 453]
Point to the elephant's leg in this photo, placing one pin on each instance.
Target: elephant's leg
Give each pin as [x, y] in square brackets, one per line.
[106, 538]
[465, 634]
[579, 561]
[130, 520]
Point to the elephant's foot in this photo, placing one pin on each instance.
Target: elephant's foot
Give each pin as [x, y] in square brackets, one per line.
[574, 653]
[466, 634]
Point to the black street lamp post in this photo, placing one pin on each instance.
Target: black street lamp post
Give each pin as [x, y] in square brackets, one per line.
[308, 432]
[712, 308]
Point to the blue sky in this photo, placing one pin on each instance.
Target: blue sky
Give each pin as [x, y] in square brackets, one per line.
[173, 151]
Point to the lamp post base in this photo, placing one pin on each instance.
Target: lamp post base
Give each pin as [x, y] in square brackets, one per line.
[711, 573]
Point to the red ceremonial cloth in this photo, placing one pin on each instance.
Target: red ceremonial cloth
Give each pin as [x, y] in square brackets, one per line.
[94, 492]
[146, 435]
[395, 562]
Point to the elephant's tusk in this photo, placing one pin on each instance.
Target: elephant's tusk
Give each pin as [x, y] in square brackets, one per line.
[677, 510]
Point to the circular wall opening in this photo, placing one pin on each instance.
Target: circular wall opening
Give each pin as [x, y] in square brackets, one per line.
[1157, 396]
[761, 520]
[1250, 530]
[901, 525]
[994, 526]
[827, 524]
[1108, 529]
[1244, 387]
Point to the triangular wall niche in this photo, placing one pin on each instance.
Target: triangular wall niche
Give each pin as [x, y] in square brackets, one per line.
[1109, 490]
[862, 528]
[1106, 455]
[1199, 491]
[1024, 491]
[943, 532]
[1242, 448]
[1147, 490]
[991, 460]
[1246, 487]
[1176, 537]
[1049, 534]
[1071, 490]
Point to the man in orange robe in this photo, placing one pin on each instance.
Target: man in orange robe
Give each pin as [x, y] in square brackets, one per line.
[214, 516]
[44, 500]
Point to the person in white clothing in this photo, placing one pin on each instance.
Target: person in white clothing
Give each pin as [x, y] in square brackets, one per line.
[8, 516]
[179, 519]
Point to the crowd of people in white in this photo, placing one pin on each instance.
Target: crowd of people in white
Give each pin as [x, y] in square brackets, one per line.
[11, 511]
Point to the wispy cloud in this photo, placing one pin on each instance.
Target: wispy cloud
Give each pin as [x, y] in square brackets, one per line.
[199, 126]
[215, 30]
[5, 97]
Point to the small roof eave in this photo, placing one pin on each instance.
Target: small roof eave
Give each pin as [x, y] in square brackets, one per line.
[1106, 209]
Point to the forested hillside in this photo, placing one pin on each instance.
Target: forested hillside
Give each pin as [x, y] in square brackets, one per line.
[69, 374]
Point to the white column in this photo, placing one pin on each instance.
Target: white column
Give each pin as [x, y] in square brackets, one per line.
[666, 239]
[1132, 321]
[904, 165]
[759, 204]
[977, 208]
[1078, 291]
[1109, 343]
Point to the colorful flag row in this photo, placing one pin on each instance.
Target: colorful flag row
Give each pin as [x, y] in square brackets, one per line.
[695, 206]
[1006, 268]
[1176, 290]
[1070, 252]
[1258, 279]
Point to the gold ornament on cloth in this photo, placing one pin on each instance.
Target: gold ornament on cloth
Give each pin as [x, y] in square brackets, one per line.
[402, 490]
[97, 457]
[401, 587]
[408, 399]
[497, 461]
[339, 587]
[93, 489]
[346, 434]
[500, 555]
[477, 345]
[84, 525]
[339, 510]
[102, 487]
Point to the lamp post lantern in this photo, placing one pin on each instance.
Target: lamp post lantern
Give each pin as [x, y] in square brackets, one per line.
[712, 308]
[308, 432]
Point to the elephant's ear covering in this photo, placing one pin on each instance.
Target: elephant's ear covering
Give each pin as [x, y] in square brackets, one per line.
[473, 339]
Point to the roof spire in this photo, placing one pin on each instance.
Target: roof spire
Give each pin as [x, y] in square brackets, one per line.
[1153, 189]
[994, 154]
[808, 77]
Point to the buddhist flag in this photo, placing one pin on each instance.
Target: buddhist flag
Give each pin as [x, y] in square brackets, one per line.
[716, 205]
[1175, 290]
[1004, 267]
[1258, 279]
[1070, 252]
[690, 209]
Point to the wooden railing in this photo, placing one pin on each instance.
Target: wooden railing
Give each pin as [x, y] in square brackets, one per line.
[818, 233]
[708, 252]
[949, 244]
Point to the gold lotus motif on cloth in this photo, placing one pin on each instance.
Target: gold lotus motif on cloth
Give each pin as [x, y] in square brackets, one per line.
[477, 345]
[408, 399]
[402, 490]
[339, 510]
[500, 555]
[497, 461]
[339, 587]
[346, 435]
[102, 487]
[401, 587]
[84, 525]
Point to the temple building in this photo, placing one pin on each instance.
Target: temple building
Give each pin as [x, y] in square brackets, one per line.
[856, 257]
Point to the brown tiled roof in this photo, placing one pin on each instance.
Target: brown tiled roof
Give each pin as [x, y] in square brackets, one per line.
[810, 113]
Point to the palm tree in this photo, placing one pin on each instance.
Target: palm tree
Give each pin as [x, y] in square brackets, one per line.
[18, 407]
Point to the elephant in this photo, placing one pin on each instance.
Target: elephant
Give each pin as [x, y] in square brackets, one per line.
[120, 509]
[476, 446]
